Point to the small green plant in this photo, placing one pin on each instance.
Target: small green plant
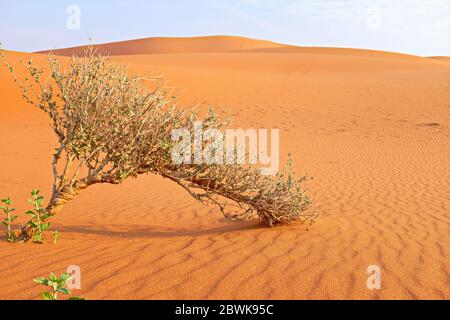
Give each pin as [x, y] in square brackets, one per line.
[55, 236]
[35, 228]
[38, 223]
[8, 220]
[56, 285]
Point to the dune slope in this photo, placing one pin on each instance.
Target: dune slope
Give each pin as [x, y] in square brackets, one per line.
[174, 45]
[444, 59]
[371, 129]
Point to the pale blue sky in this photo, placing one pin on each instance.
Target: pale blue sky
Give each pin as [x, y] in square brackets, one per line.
[411, 26]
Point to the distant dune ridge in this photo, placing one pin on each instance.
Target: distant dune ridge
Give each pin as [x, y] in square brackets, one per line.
[445, 59]
[371, 127]
[175, 45]
[216, 44]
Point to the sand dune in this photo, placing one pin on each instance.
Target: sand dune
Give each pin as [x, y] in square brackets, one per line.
[372, 129]
[221, 44]
[175, 45]
[444, 59]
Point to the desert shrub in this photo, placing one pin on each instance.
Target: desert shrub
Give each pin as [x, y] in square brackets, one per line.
[56, 285]
[112, 126]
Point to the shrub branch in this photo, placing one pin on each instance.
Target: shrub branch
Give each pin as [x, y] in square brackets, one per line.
[111, 126]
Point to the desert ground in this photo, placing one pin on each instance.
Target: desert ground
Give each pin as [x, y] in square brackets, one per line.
[371, 127]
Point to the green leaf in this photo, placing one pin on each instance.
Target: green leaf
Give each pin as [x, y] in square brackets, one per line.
[47, 296]
[30, 213]
[46, 216]
[65, 278]
[76, 298]
[45, 226]
[40, 201]
[63, 290]
[42, 281]
[5, 223]
[7, 201]
[32, 224]
[53, 277]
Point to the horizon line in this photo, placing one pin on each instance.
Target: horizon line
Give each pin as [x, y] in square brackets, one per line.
[223, 36]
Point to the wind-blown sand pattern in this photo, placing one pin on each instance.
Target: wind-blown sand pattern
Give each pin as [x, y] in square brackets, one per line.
[370, 127]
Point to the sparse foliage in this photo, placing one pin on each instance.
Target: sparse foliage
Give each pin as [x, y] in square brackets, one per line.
[56, 285]
[9, 219]
[37, 225]
[39, 217]
[111, 126]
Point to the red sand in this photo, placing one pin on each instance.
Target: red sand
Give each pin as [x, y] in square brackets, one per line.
[370, 127]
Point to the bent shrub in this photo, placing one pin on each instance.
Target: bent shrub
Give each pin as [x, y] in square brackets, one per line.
[112, 126]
